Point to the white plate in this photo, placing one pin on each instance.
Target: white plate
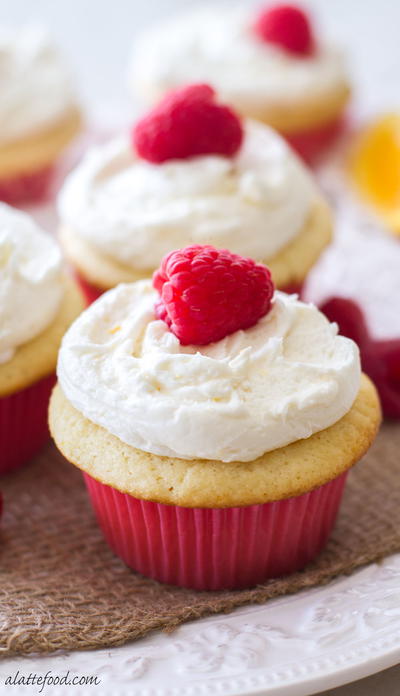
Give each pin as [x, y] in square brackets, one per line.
[293, 646]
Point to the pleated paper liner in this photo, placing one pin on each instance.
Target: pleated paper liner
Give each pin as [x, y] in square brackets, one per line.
[63, 588]
[214, 549]
[91, 292]
[31, 187]
[23, 423]
[313, 144]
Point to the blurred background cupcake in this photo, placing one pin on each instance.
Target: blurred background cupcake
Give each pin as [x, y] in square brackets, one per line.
[269, 62]
[39, 115]
[37, 304]
[238, 186]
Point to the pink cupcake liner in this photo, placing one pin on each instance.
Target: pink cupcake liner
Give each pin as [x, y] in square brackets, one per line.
[91, 292]
[216, 548]
[311, 144]
[293, 288]
[26, 188]
[23, 423]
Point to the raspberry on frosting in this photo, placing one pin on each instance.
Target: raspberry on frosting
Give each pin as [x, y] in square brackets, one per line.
[288, 27]
[207, 293]
[186, 123]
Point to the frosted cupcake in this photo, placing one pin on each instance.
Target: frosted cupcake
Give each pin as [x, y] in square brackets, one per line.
[269, 65]
[37, 304]
[191, 172]
[38, 113]
[214, 421]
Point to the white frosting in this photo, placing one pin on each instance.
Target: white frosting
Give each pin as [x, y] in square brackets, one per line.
[282, 380]
[135, 212]
[35, 87]
[218, 45]
[30, 280]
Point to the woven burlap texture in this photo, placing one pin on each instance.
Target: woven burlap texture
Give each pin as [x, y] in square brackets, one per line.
[61, 587]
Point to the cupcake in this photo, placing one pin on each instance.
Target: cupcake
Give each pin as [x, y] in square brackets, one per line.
[37, 304]
[38, 113]
[269, 65]
[214, 421]
[191, 172]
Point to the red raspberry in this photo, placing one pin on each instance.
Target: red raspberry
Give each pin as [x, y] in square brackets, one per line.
[349, 318]
[187, 122]
[287, 26]
[208, 293]
[380, 359]
[383, 366]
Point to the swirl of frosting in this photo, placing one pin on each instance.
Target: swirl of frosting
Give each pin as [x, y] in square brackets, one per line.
[218, 45]
[135, 212]
[31, 284]
[35, 87]
[282, 380]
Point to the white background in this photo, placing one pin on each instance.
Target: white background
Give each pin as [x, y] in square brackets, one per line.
[96, 36]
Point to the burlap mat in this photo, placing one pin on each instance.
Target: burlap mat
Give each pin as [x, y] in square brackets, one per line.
[61, 587]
